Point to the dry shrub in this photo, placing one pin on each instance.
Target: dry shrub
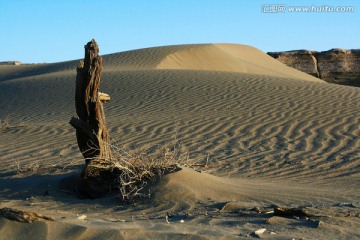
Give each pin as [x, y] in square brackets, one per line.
[9, 122]
[4, 123]
[30, 168]
[139, 169]
[133, 171]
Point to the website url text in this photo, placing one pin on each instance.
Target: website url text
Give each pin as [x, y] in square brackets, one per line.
[282, 8]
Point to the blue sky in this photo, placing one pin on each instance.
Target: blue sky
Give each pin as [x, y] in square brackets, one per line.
[34, 31]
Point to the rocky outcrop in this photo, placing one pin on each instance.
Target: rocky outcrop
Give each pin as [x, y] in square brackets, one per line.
[302, 60]
[10, 63]
[335, 66]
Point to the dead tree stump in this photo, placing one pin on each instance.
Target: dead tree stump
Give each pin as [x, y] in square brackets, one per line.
[91, 131]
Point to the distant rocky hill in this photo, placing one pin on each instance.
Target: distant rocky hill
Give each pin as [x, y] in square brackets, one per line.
[335, 66]
[10, 63]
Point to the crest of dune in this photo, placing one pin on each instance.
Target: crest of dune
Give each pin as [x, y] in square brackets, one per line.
[229, 58]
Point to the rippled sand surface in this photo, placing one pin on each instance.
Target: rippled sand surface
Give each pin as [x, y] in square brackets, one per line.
[273, 136]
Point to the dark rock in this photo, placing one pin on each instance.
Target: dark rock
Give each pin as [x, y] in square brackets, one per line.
[335, 66]
[302, 60]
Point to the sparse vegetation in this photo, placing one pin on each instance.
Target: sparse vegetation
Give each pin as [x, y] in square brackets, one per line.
[4, 123]
[136, 171]
[9, 122]
[132, 172]
[30, 168]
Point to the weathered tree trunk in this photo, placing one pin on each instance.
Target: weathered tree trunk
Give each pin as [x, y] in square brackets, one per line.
[91, 131]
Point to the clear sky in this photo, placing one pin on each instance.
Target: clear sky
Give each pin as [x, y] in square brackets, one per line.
[34, 31]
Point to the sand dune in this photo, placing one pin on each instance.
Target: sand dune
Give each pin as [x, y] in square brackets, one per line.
[231, 58]
[274, 136]
[213, 57]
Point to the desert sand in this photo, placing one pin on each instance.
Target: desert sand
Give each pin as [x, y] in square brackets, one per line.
[272, 135]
